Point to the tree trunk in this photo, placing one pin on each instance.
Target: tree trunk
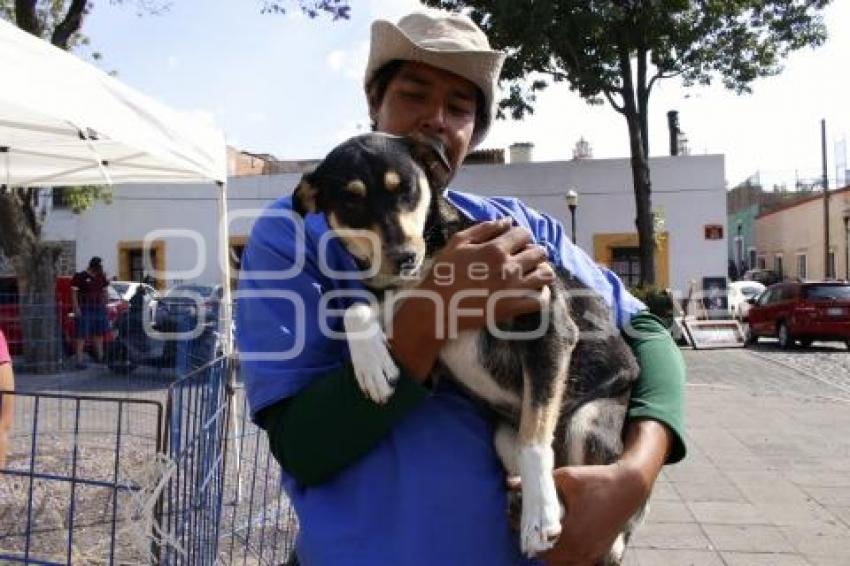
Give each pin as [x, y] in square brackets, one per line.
[643, 100]
[40, 328]
[640, 165]
[34, 263]
[643, 203]
[26, 16]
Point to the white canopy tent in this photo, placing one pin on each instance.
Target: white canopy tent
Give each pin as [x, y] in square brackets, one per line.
[65, 122]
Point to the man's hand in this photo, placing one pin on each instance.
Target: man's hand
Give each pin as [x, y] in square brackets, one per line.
[486, 258]
[489, 258]
[600, 499]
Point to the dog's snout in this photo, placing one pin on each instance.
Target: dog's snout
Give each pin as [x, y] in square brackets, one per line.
[402, 259]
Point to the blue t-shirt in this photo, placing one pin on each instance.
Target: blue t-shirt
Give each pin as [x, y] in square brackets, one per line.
[433, 491]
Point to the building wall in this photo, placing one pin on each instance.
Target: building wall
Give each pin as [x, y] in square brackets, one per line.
[798, 229]
[687, 191]
[179, 215]
[746, 217]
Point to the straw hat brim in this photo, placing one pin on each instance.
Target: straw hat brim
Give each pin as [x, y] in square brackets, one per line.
[481, 67]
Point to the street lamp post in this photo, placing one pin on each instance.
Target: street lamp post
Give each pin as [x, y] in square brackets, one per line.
[846, 218]
[739, 250]
[572, 204]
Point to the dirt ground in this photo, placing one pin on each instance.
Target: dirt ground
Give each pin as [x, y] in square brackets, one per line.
[70, 498]
[69, 472]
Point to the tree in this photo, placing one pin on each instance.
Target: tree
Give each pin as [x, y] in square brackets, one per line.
[23, 210]
[617, 50]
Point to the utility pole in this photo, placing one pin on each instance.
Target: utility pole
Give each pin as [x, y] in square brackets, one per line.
[826, 267]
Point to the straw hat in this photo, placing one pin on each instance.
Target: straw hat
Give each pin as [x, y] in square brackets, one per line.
[451, 42]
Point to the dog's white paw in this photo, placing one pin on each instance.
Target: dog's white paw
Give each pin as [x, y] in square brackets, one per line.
[374, 368]
[541, 509]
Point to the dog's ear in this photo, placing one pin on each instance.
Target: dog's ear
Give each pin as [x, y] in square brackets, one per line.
[304, 196]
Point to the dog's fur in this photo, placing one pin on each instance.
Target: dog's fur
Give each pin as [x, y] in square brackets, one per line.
[561, 397]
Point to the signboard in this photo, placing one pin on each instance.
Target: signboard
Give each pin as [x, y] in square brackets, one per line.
[715, 297]
[705, 334]
[713, 231]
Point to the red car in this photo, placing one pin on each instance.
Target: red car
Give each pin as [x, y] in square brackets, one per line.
[10, 320]
[803, 312]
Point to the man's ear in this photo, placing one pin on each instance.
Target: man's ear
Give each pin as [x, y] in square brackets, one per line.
[304, 196]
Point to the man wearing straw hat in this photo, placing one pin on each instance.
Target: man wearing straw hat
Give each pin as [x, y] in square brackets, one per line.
[416, 480]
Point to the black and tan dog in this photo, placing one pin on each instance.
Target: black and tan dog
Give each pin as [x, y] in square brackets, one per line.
[560, 389]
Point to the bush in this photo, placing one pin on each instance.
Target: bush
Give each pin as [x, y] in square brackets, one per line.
[657, 301]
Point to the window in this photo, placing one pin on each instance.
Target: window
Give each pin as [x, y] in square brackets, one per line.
[788, 292]
[751, 261]
[137, 263]
[60, 199]
[828, 292]
[131, 261]
[762, 262]
[626, 264]
[777, 265]
[801, 266]
[66, 263]
[750, 292]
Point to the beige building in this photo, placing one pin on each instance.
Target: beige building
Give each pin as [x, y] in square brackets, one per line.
[790, 239]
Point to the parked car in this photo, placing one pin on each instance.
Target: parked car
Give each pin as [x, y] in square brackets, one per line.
[10, 317]
[10, 321]
[739, 293]
[794, 311]
[126, 290]
[763, 276]
[188, 301]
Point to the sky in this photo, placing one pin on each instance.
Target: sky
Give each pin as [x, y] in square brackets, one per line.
[292, 86]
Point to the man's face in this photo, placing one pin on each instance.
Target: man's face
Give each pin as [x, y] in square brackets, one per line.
[425, 101]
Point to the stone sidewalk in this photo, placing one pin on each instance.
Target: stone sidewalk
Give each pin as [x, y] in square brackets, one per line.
[767, 478]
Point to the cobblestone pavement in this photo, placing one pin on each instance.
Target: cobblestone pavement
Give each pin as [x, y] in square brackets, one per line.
[828, 362]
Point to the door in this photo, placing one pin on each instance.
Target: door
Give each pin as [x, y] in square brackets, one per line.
[784, 305]
[759, 314]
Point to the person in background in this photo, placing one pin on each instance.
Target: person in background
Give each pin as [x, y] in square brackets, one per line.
[88, 299]
[7, 402]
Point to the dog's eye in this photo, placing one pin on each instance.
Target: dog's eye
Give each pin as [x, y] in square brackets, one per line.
[356, 189]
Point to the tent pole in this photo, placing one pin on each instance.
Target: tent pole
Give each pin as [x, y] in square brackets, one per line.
[224, 259]
[227, 332]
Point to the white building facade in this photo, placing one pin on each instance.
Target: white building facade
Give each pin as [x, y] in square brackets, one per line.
[179, 222]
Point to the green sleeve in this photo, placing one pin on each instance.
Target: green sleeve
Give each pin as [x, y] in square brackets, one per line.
[331, 423]
[659, 392]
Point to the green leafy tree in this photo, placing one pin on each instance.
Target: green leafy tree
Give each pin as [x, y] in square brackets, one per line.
[615, 51]
[23, 210]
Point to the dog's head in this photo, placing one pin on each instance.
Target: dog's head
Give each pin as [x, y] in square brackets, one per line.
[376, 191]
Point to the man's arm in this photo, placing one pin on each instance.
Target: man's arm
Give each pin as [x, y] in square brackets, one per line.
[600, 499]
[75, 300]
[305, 429]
